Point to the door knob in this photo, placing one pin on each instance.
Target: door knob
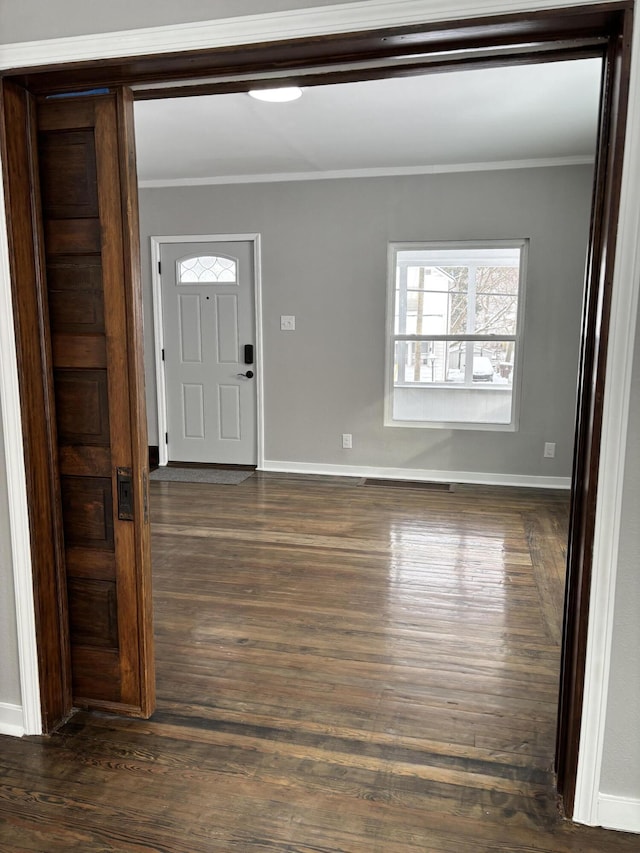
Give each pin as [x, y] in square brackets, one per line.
[247, 375]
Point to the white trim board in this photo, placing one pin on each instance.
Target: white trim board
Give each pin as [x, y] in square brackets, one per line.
[265, 27]
[421, 475]
[621, 813]
[11, 720]
[382, 172]
[156, 244]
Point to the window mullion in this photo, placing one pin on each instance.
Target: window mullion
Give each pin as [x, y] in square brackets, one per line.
[417, 347]
[471, 324]
[402, 318]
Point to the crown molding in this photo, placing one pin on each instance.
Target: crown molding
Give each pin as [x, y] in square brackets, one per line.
[347, 174]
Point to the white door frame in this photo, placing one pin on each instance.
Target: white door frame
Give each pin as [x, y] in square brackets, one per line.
[158, 330]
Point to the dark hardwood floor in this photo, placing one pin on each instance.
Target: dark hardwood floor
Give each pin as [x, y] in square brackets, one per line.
[341, 669]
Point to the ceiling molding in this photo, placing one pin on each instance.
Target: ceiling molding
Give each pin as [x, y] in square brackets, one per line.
[342, 174]
[265, 27]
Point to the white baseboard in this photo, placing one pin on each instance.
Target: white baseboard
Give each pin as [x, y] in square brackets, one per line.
[621, 813]
[420, 474]
[11, 720]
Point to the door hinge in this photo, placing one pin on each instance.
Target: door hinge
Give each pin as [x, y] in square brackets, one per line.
[166, 438]
[163, 353]
[159, 268]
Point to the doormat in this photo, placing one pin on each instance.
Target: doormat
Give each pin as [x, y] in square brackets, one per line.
[220, 476]
[408, 484]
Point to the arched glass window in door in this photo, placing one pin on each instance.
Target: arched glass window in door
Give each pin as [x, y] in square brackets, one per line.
[208, 269]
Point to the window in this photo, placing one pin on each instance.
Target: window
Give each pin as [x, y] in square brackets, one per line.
[207, 269]
[455, 328]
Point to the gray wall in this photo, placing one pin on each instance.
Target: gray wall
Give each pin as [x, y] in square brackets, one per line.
[324, 260]
[30, 20]
[9, 670]
[621, 764]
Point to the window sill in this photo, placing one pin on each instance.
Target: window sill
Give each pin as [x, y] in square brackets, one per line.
[452, 425]
[451, 386]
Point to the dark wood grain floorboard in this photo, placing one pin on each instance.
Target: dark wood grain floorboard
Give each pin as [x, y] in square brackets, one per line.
[341, 669]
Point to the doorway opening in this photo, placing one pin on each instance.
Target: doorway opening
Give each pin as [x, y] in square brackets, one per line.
[593, 32]
[282, 202]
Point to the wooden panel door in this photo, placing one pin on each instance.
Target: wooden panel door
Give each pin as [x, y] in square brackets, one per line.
[89, 202]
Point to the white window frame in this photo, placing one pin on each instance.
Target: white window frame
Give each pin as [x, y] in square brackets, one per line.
[391, 337]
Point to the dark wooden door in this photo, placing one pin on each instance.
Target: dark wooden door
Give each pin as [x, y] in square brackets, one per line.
[89, 203]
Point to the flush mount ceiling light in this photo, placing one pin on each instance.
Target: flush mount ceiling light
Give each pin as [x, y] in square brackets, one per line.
[277, 96]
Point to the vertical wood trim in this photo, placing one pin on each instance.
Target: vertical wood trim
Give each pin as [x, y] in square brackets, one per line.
[18, 505]
[115, 309]
[115, 319]
[139, 433]
[593, 361]
[36, 393]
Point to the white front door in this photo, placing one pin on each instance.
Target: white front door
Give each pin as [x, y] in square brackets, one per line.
[209, 351]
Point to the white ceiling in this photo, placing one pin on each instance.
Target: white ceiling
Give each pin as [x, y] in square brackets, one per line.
[522, 113]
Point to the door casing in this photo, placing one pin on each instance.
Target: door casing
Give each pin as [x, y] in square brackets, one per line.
[563, 33]
[158, 331]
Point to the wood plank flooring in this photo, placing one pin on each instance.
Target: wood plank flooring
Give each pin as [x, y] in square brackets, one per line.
[341, 669]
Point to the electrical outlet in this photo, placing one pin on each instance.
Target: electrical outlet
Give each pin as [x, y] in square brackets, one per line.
[347, 441]
[549, 449]
[287, 323]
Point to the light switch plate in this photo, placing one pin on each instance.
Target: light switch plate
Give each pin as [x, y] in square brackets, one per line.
[287, 323]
